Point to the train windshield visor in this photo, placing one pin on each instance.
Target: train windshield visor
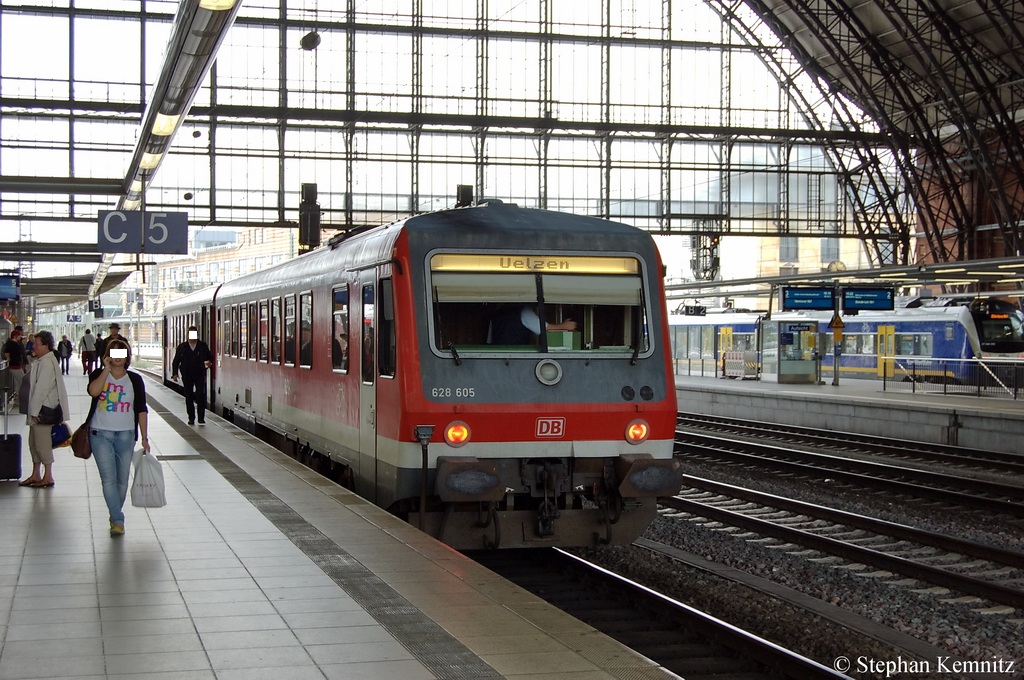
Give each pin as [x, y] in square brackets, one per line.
[492, 312]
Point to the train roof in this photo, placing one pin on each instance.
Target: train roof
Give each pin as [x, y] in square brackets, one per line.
[194, 299]
[491, 225]
[899, 314]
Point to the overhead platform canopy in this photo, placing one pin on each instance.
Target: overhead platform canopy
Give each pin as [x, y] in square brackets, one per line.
[49, 292]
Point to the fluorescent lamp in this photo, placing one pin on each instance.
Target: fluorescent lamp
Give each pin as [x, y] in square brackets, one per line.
[217, 5]
[149, 161]
[950, 271]
[165, 125]
[137, 186]
[131, 205]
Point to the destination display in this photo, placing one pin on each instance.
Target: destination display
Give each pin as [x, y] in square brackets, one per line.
[10, 287]
[808, 298]
[868, 299]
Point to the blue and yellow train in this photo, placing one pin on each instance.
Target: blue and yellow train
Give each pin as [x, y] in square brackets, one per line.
[939, 341]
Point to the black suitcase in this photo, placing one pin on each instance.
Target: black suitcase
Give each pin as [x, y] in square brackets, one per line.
[10, 449]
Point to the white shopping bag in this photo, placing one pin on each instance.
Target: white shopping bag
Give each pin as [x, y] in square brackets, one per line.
[148, 485]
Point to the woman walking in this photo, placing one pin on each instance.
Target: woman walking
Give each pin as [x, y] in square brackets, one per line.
[46, 391]
[118, 416]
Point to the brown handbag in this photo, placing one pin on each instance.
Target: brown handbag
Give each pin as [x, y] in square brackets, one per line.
[80, 442]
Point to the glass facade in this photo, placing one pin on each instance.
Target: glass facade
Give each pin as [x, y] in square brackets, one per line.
[665, 115]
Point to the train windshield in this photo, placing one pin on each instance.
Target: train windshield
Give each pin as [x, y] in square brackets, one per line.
[594, 308]
[1000, 326]
[1001, 333]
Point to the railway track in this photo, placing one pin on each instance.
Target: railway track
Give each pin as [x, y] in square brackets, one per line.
[989, 573]
[680, 638]
[959, 458]
[956, 490]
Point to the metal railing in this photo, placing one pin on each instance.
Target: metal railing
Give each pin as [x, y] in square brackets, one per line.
[1002, 378]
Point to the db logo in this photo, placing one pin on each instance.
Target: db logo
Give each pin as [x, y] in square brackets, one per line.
[550, 427]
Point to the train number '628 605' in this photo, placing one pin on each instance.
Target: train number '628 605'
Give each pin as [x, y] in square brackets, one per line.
[458, 392]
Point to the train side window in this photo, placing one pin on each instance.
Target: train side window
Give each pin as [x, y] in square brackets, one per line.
[264, 331]
[275, 331]
[289, 331]
[222, 336]
[237, 332]
[339, 338]
[243, 331]
[254, 331]
[386, 348]
[306, 330]
[366, 352]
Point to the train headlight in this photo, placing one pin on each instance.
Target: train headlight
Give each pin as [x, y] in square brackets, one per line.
[637, 432]
[457, 433]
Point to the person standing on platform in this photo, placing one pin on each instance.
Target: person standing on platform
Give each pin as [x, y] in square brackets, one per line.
[64, 351]
[87, 348]
[14, 353]
[193, 358]
[118, 416]
[101, 343]
[47, 389]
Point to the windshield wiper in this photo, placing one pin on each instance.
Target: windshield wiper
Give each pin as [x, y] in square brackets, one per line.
[636, 353]
[455, 354]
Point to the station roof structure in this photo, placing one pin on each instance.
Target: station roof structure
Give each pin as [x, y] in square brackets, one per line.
[940, 81]
[1004, 271]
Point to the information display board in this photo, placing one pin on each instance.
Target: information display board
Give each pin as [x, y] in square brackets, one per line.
[868, 299]
[808, 298]
[10, 287]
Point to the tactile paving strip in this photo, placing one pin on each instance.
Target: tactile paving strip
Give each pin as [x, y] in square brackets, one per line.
[431, 645]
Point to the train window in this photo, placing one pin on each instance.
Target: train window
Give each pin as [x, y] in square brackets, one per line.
[306, 330]
[243, 331]
[254, 331]
[369, 316]
[224, 341]
[289, 331]
[264, 331]
[236, 330]
[275, 330]
[339, 337]
[489, 312]
[386, 348]
[914, 344]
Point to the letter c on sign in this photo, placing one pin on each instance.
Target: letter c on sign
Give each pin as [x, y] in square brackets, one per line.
[106, 226]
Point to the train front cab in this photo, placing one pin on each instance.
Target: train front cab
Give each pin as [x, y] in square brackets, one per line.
[564, 440]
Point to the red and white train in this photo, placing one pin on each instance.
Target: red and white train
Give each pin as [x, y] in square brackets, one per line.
[378, 356]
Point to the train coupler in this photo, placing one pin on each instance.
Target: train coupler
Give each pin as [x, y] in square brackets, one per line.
[547, 513]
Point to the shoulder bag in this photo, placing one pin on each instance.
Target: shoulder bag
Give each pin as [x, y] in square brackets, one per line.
[80, 442]
[51, 416]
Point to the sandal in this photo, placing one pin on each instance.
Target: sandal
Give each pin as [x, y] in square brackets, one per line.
[42, 485]
[29, 482]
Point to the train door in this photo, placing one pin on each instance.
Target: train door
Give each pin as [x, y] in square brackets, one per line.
[368, 387]
[207, 331]
[885, 347]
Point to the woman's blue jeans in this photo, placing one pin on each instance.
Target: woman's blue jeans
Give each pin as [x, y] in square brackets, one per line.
[112, 451]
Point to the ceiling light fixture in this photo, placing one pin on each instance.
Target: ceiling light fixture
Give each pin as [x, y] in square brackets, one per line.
[217, 5]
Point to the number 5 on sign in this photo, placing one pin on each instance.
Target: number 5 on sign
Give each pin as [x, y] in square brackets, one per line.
[121, 231]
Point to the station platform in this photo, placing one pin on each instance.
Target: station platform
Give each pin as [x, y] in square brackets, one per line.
[257, 567]
[863, 407]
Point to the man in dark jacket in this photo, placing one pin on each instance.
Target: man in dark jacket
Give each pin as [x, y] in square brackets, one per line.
[14, 353]
[191, 359]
